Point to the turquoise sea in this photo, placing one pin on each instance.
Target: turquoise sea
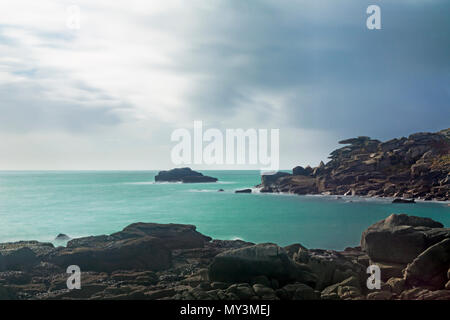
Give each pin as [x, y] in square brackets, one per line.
[40, 205]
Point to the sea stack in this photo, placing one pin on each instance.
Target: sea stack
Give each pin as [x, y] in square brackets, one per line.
[185, 175]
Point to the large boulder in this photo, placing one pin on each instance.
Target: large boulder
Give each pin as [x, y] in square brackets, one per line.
[174, 236]
[430, 267]
[244, 264]
[144, 253]
[400, 238]
[185, 175]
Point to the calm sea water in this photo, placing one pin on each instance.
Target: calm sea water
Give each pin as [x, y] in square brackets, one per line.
[40, 205]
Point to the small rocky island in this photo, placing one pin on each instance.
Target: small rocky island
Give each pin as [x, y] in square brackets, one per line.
[173, 261]
[184, 175]
[417, 167]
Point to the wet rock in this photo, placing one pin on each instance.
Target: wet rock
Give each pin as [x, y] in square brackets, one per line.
[243, 191]
[399, 200]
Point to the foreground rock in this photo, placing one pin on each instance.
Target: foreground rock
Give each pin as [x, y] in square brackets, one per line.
[430, 268]
[416, 167]
[147, 261]
[140, 246]
[262, 260]
[185, 175]
[401, 238]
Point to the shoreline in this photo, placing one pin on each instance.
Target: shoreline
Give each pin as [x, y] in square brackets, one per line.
[173, 261]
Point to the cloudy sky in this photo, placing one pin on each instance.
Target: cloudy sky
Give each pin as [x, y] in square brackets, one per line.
[108, 95]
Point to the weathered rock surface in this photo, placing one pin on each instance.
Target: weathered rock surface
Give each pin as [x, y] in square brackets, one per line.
[430, 267]
[401, 238]
[151, 261]
[22, 255]
[185, 175]
[268, 260]
[144, 253]
[414, 167]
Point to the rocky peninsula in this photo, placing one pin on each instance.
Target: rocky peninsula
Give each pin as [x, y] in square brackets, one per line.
[417, 167]
[174, 261]
[184, 175]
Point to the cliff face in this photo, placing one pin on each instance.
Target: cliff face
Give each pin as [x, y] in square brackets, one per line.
[413, 167]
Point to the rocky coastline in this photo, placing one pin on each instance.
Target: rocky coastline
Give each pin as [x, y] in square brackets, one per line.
[417, 167]
[148, 261]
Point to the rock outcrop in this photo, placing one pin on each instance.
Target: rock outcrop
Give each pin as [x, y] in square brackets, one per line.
[185, 175]
[414, 167]
[147, 261]
[401, 238]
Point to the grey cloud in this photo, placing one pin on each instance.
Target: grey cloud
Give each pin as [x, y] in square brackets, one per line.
[343, 77]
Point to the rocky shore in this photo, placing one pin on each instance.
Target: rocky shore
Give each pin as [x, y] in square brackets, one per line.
[417, 167]
[173, 261]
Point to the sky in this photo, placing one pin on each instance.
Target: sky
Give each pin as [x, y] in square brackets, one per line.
[107, 96]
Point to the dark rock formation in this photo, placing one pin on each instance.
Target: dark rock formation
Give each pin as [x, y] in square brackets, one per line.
[22, 255]
[153, 261]
[62, 237]
[139, 246]
[398, 200]
[175, 236]
[269, 260]
[143, 253]
[414, 167]
[185, 175]
[243, 191]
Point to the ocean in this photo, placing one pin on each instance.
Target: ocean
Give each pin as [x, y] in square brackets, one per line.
[38, 205]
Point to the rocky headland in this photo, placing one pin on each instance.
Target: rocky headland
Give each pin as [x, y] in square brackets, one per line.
[173, 261]
[417, 167]
[184, 175]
